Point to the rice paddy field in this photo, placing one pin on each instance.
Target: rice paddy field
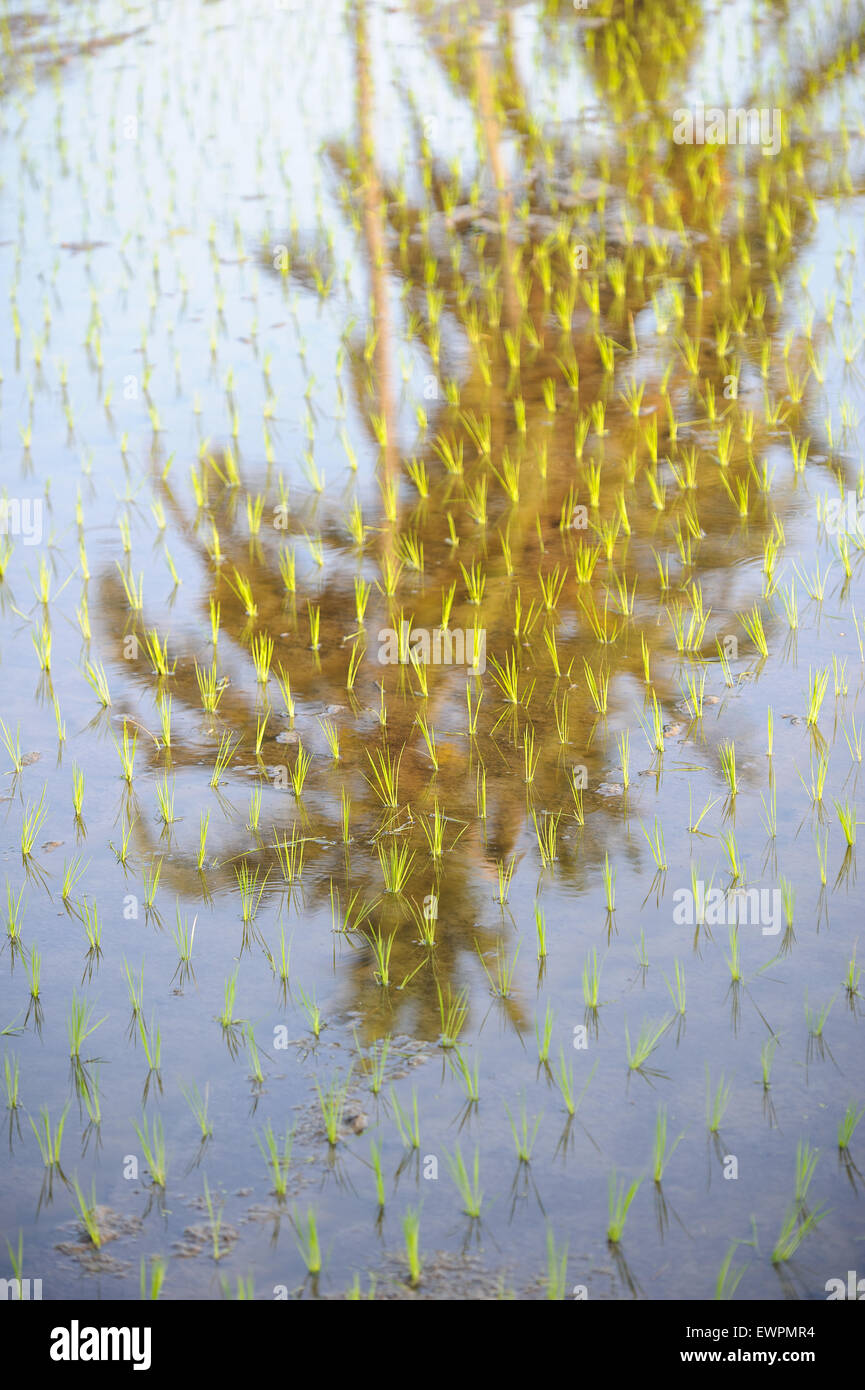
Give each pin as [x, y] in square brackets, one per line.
[432, 639]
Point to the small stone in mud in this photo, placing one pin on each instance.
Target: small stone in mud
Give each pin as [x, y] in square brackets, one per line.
[357, 1122]
[287, 736]
[52, 844]
[30, 758]
[609, 789]
[672, 730]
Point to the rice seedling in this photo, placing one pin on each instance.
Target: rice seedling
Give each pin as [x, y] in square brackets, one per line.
[98, 682]
[153, 1148]
[767, 1057]
[854, 973]
[199, 1104]
[619, 1200]
[12, 743]
[277, 1157]
[150, 1285]
[716, 1104]
[727, 755]
[77, 791]
[661, 1155]
[385, 776]
[794, 1229]
[218, 1242]
[847, 1126]
[564, 1078]
[469, 1078]
[609, 879]
[396, 863]
[307, 1240]
[79, 1027]
[32, 822]
[453, 1012]
[729, 1278]
[677, 989]
[151, 1041]
[648, 1039]
[224, 755]
[816, 694]
[87, 1213]
[656, 845]
[50, 1140]
[251, 892]
[847, 820]
[332, 1104]
[816, 1018]
[467, 1184]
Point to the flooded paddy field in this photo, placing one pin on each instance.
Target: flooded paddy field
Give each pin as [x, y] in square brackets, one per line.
[432, 637]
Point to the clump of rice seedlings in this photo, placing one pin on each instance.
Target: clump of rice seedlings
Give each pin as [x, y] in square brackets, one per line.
[312, 1011]
[806, 1165]
[656, 845]
[153, 1148]
[215, 1217]
[224, 754]
[11, 1075]
[98, 682]
[524, 1142]
[547, 835]
[767, 1057]
[87, 1213]
[501, 981]
[165, 800]
[647, 1041]
[78, 1026]
[557, 1269]
[469, 1078]
[468, 1185]
[284, 682]
[591, 981]
[151, 1041]
[506, 677]
[753, 624]
[242, 590]
[728, 1279]
[541, 930]
[307, 1240]
[609, 877]
[332, 1103]
[374, 1065]
[261, 651]
[544, 1036]
[795, 1227]
[14, 915]
[408, 1125]
[847, 1127]
[33, 966]
[198, 1104]
[32, 822]
[150, 1285]
[227, 1018]
[210, 687]
[727, 755]
[565, 1081]
[381, 948]
[816, 1018]
[385, 778]
[277, 1156]
[816, 693]
[661, 1155]
[158, 653]
[847, 820]
[737, 865]
[505, 874]
[855, 746]
[289, 854]
[77, 791]
[619, 1202]
[453, 1011]
[250, 891]
[599, 684]
[375, 1158]
[411, 1236]
[734, 960]
[49, 1141]
[396, 863]
[716, 1104]
[93, 930]
[677, 989]
[12, 744]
